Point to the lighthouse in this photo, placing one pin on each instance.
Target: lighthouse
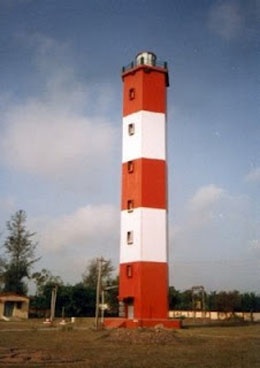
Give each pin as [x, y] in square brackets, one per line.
[143, 274]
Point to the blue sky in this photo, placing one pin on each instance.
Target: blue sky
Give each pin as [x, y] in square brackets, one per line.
[60, 130]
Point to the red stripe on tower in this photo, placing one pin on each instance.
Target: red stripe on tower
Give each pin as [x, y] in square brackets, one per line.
[143, 281]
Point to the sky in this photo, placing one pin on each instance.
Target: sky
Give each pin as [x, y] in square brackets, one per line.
[61, 120]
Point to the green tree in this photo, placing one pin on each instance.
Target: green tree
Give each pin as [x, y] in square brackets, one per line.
[90, 275]
[2, 268]
[212, 301]
[45, 282]
[43, 278]
[77, 301]
[72, 300]
[174, 298]
[250, 302]
[186, 300]
[109, 284]
[228, 301]
[19, 257]
[111, 296]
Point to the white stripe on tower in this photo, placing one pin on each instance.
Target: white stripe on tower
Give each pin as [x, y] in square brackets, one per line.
[148, 139]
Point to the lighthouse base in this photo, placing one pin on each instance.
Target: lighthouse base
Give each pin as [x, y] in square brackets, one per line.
[142, 323]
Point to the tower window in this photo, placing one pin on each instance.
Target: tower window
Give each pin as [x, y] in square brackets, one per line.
[130, 205]
[131, 129]
[131, 93]
[130, 237]
[129, 271]
[130, 166]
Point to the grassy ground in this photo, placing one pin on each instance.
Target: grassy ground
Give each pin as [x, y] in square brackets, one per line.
[33, 344]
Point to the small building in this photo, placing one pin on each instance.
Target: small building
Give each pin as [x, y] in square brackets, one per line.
[14, 306]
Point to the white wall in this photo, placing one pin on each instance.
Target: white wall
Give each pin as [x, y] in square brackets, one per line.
[149, 235]
[149, 138]
[215, 315]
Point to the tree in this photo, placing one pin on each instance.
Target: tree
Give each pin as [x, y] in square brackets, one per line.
[90, 275]
[43, 278]
[2, 268]
[228, 301]
[111, 296]
[186, 300]
[174, 298]
[77, 301]
[108, 284]
[40, 304]
[250, 302]
[19, 254]
[212, 301]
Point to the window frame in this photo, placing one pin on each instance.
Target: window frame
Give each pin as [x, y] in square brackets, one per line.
[131, 93]
[129, 271]
[130, 166]
[130, 205]
[131, 129]
[130, 237]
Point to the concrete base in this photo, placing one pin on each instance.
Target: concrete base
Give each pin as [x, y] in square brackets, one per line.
[132, 324]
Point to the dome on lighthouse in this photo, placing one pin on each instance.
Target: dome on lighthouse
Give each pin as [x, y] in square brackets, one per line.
[147, 58]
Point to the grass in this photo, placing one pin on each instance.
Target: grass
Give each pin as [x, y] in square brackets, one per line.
[32, 344]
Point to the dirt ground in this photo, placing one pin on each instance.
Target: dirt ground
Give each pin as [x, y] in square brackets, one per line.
[33, 344]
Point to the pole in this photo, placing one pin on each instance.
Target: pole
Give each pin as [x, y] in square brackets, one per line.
[99, 267]
[103, 303]
[53, 301]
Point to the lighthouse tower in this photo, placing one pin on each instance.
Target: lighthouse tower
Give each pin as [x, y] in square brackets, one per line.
[143, 280]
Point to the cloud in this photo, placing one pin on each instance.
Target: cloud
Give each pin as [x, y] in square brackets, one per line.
[254, 175]
[254, 247]
[202, 206]
[201, 211]
[67, 242]
[7, 203]
[215, 226]
[43, 139]
[205, 197]
[226, 20]
[7, 207]
[62, 133]
[81, 229]
[211, 236]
